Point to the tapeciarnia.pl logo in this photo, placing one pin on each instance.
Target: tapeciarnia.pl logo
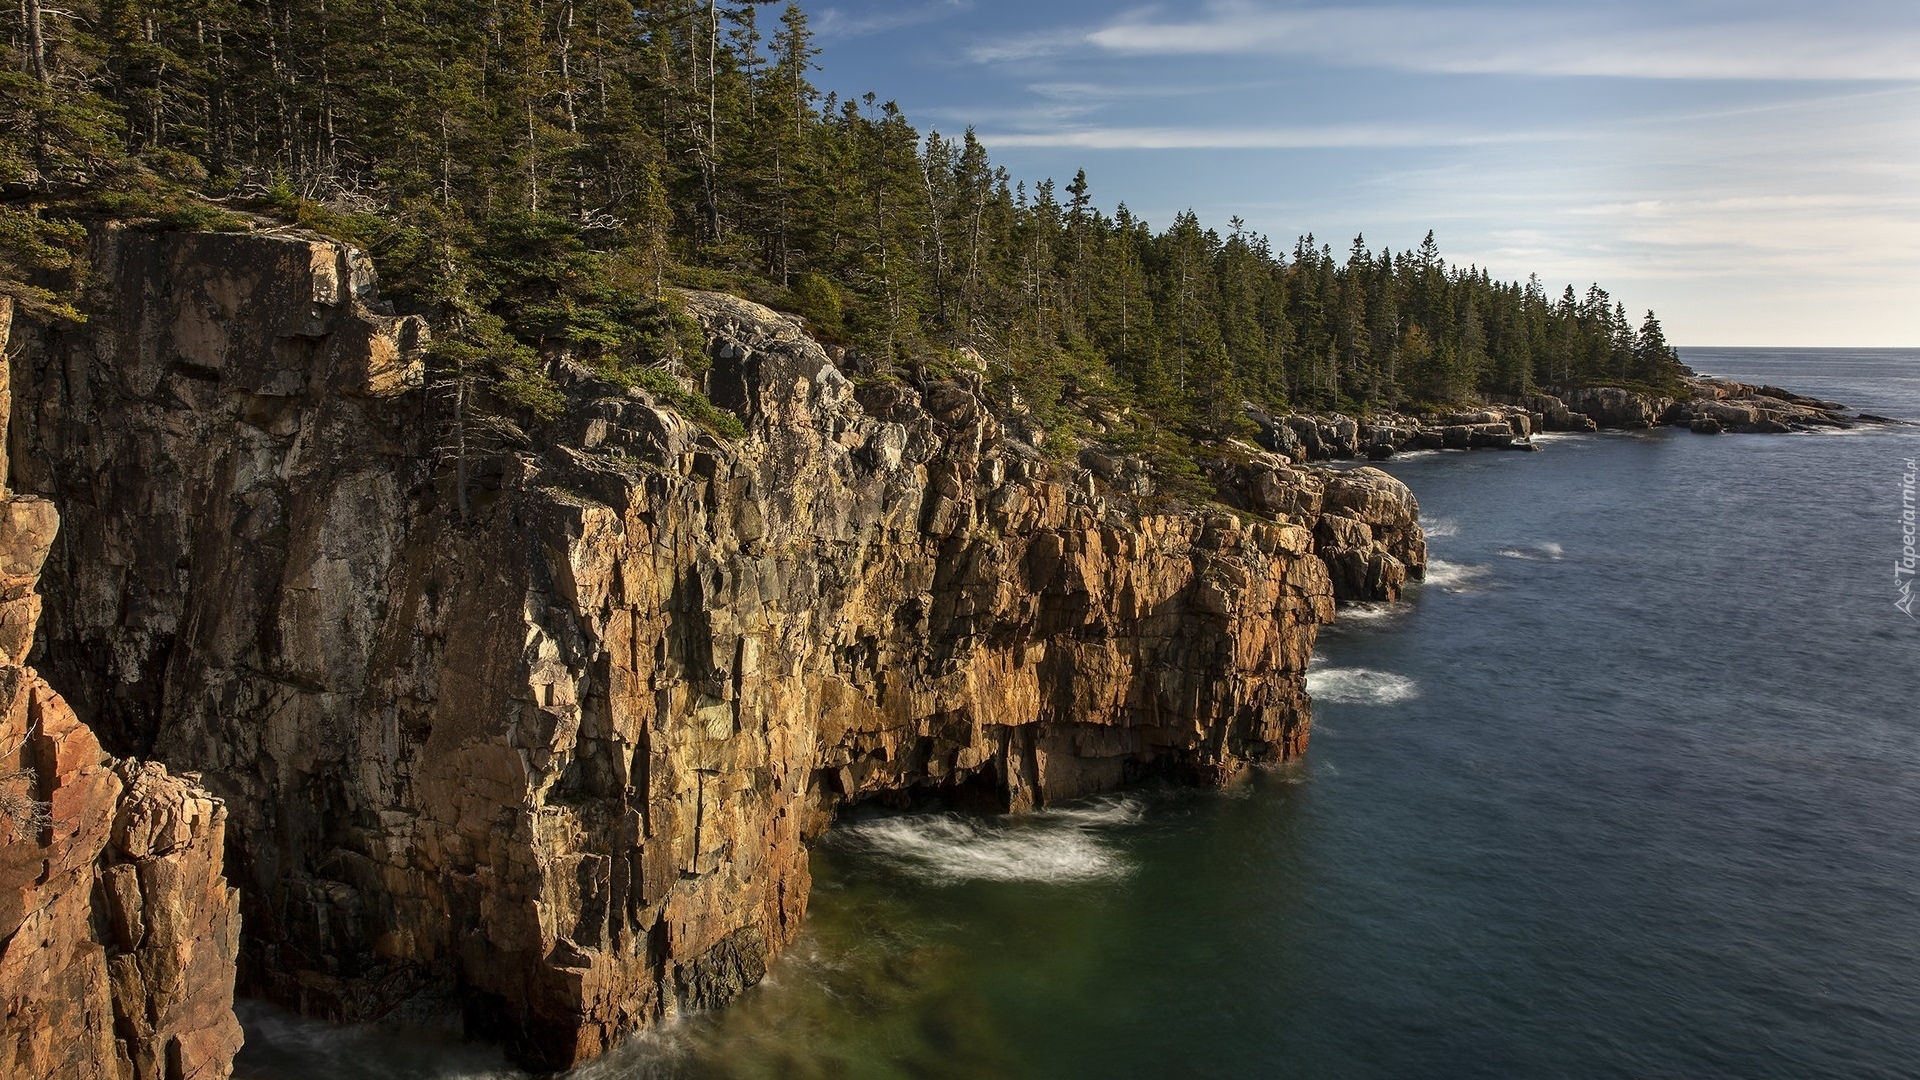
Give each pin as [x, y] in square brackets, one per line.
[1903, 571]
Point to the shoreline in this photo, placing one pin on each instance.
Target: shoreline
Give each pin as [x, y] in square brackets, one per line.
[1709, 406]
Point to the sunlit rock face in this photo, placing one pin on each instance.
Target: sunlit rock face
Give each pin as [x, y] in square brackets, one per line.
[118, 932]
[561, 758]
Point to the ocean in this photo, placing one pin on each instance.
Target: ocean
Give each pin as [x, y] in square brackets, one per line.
[1630, 787]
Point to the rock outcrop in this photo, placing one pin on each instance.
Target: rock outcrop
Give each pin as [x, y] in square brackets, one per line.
[1334, 436]
[1365, 523]
[1617, 408]
[1713, 406]
[562, 755]
[118, 932]
[1706, 405]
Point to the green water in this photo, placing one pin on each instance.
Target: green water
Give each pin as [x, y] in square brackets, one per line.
[907, 968]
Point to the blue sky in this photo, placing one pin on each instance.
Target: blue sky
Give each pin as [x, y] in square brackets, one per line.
[1749, 168]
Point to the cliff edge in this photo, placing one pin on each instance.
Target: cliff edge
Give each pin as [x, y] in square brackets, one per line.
[556, 748]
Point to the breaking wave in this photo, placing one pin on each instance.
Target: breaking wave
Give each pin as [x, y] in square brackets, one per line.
[1439, 526]
[1366, 611]
[1060, 846]
[1360, 686]
[1536, 552]
[1452, 576]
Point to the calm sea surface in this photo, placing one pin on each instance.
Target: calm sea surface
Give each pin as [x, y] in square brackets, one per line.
[1629, 788]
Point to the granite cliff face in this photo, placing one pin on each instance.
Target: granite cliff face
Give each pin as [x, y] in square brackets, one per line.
[562, 759]
[117, 931]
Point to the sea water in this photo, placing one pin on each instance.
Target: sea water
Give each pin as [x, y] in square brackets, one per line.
[1630, 787]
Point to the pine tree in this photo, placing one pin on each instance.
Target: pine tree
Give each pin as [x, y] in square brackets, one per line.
[1655, 362]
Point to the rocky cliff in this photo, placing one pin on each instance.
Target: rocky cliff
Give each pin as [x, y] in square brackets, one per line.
[118, 933]
[561, 755]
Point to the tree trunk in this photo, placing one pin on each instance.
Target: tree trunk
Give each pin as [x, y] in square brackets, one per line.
[36, 39]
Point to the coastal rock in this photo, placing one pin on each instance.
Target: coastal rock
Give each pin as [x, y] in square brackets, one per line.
[118, 933]
[1365, 522]
[1705, 405]
[1554, 414]
[1615, 407]
[120, 930]
[1378, 436]
[1709, 406]
[559, 757]
[1369, 535]
[1715, 405]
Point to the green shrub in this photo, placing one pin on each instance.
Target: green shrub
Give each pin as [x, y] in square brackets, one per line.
[694, 404]
[817, 300]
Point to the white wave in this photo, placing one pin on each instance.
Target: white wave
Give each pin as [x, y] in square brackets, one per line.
[1536, 553]
[1360, 686]
[1097, 812]
[1366, 612]
[1570, 440]
[1439, 526]
[1056, 846]
[1452, 576]
[1860, 429]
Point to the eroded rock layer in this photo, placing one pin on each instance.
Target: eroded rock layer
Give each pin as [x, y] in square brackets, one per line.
[564, 754]
[118, 933]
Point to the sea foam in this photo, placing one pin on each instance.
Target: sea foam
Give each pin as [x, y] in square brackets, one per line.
[1060, 846]
[1366, 611]
[1452, 576]
[1360, 686]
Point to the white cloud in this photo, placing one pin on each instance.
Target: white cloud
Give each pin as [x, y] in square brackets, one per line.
[1504, 41]
[1026, 46]
[1330, 137]
[833, 23]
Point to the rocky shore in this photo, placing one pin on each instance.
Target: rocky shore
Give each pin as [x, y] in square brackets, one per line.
[550, 749]
[1706, 405]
